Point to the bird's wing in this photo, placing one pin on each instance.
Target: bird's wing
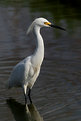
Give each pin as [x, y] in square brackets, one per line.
[19, 73]
[29, 70]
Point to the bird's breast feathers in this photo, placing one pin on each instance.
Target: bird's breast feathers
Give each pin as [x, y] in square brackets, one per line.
[33, 71]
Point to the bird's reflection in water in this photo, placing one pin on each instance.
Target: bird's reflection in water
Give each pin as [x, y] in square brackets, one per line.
[24, 112]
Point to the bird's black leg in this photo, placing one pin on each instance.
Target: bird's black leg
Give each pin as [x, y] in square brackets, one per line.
[25, 98]
[29, 95]
[24, 90]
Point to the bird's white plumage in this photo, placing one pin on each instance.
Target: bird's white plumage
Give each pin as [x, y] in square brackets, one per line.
[26, 72]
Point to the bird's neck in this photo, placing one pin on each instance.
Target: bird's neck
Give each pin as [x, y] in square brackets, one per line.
[39, 52]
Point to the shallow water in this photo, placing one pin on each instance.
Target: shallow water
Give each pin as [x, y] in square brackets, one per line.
[56, 94]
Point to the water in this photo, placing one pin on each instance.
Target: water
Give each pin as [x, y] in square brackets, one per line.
[56, 94]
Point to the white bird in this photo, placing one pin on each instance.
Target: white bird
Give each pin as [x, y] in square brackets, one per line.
[26, 72]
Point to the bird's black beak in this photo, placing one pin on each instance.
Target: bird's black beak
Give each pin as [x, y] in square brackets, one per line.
[57, 27]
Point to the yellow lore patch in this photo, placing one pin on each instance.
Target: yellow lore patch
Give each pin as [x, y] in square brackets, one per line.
[47, 23]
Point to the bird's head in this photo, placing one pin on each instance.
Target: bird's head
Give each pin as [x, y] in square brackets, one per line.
[42, 22]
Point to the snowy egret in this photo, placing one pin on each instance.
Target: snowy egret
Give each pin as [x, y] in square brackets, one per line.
[26, 72]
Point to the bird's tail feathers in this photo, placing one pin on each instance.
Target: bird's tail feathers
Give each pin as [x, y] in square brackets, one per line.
[7, 85]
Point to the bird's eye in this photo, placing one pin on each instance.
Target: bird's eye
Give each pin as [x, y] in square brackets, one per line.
[47, 23]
